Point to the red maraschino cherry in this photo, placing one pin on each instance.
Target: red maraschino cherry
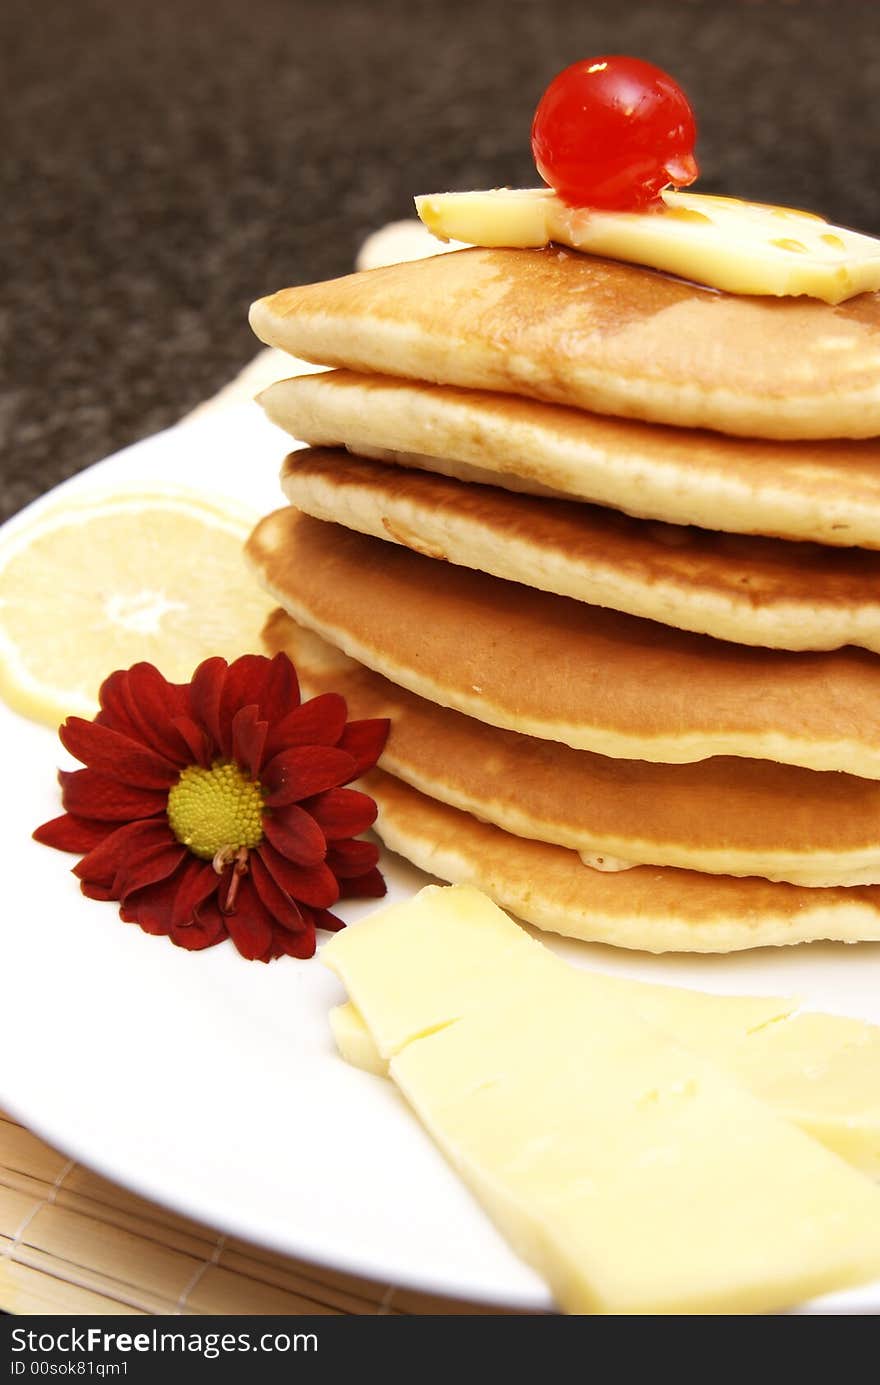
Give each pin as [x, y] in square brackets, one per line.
[611, 132]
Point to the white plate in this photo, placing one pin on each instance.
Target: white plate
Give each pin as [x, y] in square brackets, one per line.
[211, 1084]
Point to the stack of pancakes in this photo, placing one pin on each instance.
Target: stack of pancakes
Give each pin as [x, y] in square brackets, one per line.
[605, 546]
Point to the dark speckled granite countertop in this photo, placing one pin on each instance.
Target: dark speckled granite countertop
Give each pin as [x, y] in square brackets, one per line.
[166, 161]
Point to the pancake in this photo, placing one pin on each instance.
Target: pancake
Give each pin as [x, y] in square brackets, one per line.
[650, 909]
[575, 329]
[724, 816]
[828, 492]
[749, 590]
[554, 668]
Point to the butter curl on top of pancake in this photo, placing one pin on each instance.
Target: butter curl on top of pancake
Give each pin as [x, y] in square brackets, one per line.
[575, 329]
[555, 668]
[652, 909]
[750, 590]
[724, 816]
[825, 491]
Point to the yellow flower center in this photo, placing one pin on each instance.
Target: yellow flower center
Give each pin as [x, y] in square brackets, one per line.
[216, 810]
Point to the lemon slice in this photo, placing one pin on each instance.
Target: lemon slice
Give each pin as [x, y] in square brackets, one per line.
[98, 584]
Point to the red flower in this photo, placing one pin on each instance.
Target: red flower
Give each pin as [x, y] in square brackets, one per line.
[216, 808]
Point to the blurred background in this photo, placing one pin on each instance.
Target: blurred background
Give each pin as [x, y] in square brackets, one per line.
[167, 161]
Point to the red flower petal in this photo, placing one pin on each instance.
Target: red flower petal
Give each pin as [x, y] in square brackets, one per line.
[88, 793]
[303, 771]
[115, 754]
[152, 691]
[103, 862]
[201, 934]
[244, 686]
[248, 739]
[70, 833]
[249, 926]
[210, 908]
[294, 833]
[365, 741]
[149, 863]
[276, 900]
[152, 701]
[218, 693]
[196, 740]
[312, 885]
[329, 922]
[148, 922]
[115, 712]
[320, 721]
[369, 886]
[151, 906]
[138, 703]
[342, 812]
[103, 892]
[205, 692]
[300, 945]
[197, 882]
[349, 859]
[281, 691]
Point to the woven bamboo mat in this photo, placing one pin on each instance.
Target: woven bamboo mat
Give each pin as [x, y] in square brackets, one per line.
[72, 1242]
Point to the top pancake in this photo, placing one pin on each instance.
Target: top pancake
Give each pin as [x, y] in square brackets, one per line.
[555, 668]
[575, 329]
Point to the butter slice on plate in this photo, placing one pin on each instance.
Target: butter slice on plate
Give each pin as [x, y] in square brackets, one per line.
[628, 1170]
[354, 1041]
[821, 1072]
[722, 242]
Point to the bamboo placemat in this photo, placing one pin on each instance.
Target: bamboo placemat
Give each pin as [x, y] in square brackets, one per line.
[72, 1242]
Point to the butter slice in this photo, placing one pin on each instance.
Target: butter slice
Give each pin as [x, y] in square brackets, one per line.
[458, 938]
[821, 1072]
[444, 945]
[354, 1040]
[631, 1172]
[722, 242]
